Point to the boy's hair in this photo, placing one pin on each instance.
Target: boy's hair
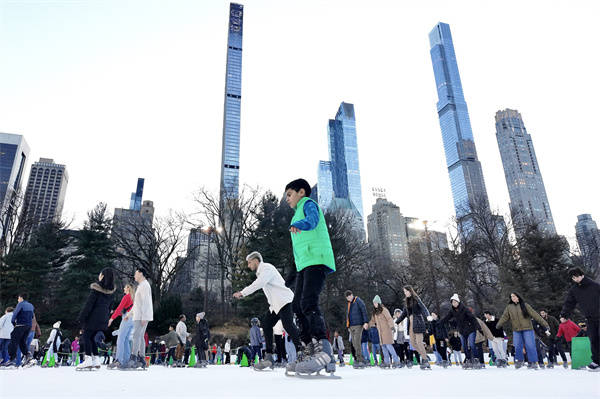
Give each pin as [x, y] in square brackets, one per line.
[488, 312]
[9, 309]
[347, 293]
[254, 255]
[575, 272]
[143, 271]
[298, 184]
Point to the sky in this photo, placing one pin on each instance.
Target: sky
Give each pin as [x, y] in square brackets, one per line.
[121, 89]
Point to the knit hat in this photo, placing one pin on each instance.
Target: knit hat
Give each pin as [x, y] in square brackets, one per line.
[397, 310]
[455, 298]
[377, 299]
[200, 315]
[56, 325]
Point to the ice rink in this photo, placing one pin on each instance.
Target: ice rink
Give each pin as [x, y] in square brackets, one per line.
[235, 382]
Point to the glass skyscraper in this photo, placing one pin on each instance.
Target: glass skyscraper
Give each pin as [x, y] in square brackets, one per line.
[588, 239]
[466, 176]
[136, 198]
[230, 158]
[13, 157]
[528, 199]
[324, 184]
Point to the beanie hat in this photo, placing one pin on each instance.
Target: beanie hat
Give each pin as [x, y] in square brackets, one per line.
[200, 315]
[56, 325]
[377, 299]
[455, 298]
[397, 310]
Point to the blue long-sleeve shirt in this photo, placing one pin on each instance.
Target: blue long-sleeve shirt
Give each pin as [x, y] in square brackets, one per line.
[311, 217]
[255, 336]
[23, 314]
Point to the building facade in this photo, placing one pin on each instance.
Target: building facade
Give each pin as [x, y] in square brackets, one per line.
[14, 153]
[588, 240]
[464, 168]
[45, 192]
[136, 198]
[528, 199]
[387, 232]
[230, 157]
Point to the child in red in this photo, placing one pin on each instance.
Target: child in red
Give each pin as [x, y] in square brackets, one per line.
[569, 330]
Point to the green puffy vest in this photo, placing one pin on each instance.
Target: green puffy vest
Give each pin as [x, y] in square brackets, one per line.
[312, 247]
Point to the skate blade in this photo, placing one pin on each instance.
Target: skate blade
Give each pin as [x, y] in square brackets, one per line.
[318, 376]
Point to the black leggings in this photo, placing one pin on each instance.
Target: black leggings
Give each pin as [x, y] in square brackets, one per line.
[91, 348]
[309, 284]
[287, 320]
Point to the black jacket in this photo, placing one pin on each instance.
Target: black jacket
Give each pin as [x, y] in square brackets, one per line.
[202, 335]
[419, 313]
[467, 323]
[496, 332]
[587, 296]
[439, 330]
[455, 343]
[95, 313]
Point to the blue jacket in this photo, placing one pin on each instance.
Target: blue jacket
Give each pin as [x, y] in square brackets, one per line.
[357, 314]
[255, 337]
[374, 335]
[23, 314]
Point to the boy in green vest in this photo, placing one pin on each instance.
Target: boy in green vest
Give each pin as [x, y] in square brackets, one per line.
[314, 259]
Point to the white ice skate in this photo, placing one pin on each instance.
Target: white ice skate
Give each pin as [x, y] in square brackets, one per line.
[96, 361]
[87, 365]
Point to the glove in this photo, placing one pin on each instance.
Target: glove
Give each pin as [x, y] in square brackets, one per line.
[429, 318]
[548, 332]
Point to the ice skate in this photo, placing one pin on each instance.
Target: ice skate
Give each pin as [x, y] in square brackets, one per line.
[10, 365]
[566, 365]
[96, 361]
[265, 363]
[306, 352]
[114, 365]
[425, 365]
[593, 367]
[518, 364]
[550, 365]
[322, 359]
[86, 365]
[532, 366]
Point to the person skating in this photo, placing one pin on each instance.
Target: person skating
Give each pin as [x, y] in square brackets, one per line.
[280, 298]
[567, 330]
[22, 320]
[141, 313]
[585, 294]
[314, 259]
[54, 341]
[416, 312]
[75, 350]
[440, 335]
[356, 322]
[497, 345]
[171, 340]
[201, 339]
[552, 341]
[227, 351]
[520, 314]
[94, 316]
[182, 335]
[483, 334]
[382, 319]
[456, 346]
[123, 345]
[255, 340]
[467, 326]
[401, 339]
[338, 347]
[6, 328]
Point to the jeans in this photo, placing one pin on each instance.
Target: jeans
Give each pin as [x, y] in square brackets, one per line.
[287, 320]
[341, 356]
[255, 351]
[309, 284]
[365, 350]
[356, 335]
[290, 350]
[526, 337]
[456, 357]
[123, 342]
[375, 349]
[29, 339]
[468, 344]
[4, 342]
[139, 345]
[497, 350]
[388, 351]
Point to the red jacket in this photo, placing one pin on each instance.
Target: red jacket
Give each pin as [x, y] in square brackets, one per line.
[126, 304]
[568, 329]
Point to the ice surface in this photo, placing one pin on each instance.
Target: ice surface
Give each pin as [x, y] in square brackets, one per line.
[234, 382]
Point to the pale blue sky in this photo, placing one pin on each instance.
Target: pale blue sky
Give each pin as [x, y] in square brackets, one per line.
[123, 89]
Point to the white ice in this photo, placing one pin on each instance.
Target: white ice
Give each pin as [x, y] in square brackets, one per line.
[234, 382]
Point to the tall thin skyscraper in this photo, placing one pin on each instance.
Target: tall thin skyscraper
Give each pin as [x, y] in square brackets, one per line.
[324, 184]
[466, 176]
[588, 240]
[528, 199]
[45, 193]
[14, 152]
[230, 158]
[136, 198]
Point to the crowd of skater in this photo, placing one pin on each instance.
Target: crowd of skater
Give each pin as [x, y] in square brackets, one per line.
[293, 333]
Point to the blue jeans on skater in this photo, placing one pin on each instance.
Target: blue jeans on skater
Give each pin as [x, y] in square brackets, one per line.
[438, 357]
[365, 351]
[4, 349]
[468, 344]
[526, 337]
[123, 342]
[255, 351]
[29, 339]
[389, 351]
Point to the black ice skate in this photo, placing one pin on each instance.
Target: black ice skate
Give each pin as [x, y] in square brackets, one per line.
[321, 360]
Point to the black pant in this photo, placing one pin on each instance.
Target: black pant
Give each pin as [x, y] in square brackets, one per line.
[554, 348]
[593, 327]
[91, 348]
[280, 348]
[309, 283]
[441, 347]
[287, 320]
[18, 338]
[227, 357]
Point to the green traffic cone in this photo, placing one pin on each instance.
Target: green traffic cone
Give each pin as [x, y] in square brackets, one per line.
[491, 362]
[219, 360]
[170, 360]
[76, 358]
[379, 360]
[256, 359]
[45, 361]
[192, 361]
[351, 363]
[372, 360]
[52, 361]
[244, 362]
[415, 361]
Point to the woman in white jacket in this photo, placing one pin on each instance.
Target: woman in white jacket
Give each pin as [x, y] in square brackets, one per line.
[6, 328]
[141, 313]
[54, 341]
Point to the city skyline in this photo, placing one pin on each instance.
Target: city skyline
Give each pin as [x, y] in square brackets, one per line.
[33, 99]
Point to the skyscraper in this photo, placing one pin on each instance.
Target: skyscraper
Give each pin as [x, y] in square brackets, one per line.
[324, 185]
[230, 157]
[14, 152]
[136, 198]
[45, 192]
[588, 239]
[466, 176]
[528, 199]
[387, 232]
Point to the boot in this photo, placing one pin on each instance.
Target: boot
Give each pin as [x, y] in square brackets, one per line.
[86, 364]
[518, 364]
[566, 365]
[141, 362]
[425, 365]
[267, 362]
[114, 365]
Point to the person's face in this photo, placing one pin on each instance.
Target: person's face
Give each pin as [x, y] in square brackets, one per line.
[20, 299]
[183, 319]
[336, 334]
[197, 319]
[397, 314]
[100, 277]
[350, 298]
[375, 305]
[455, 303]
[406, 293]
[292, 197]
[170, 328]
[543, 314]
[253, 264]
[562, 319]
[514, 298]
[434, 316]
[138, 276]
[577, 279]
[488, 316]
